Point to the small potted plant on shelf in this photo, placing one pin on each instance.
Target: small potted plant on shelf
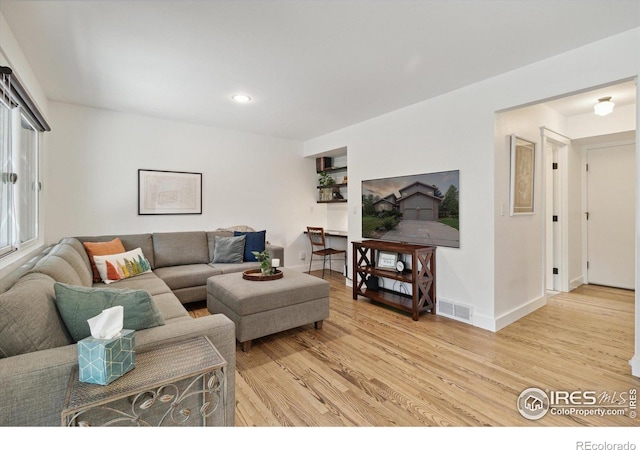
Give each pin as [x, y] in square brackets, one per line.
[325, 181]
[265, 262]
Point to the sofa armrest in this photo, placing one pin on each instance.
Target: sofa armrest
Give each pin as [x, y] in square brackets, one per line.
[33, 386]
[275, 251]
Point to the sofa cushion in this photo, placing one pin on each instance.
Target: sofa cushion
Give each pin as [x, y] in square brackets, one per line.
[79, 247]
[118, 267]
[29, 319]
[256, 241]
[148, 281]
[77, 304]
[170, 306]
[178, 248]
[178, 277]
[100, 249]
[229, 249]
[76, 260]
[233, 268]
[58, 269]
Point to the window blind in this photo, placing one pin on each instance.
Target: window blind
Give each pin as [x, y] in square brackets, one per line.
[20, 97]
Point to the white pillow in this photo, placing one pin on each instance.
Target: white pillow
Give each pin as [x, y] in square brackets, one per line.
[123, 265]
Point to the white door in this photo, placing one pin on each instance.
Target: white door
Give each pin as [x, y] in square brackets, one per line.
[611, 216]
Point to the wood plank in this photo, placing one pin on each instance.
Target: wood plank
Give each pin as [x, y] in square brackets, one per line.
[371, 365]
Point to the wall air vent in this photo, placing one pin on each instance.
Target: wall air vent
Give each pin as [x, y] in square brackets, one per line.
[455, 311]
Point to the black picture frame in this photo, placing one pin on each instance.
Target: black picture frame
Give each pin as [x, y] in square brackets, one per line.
[166, 192]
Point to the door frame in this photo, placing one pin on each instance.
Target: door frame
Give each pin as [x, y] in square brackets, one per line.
[558, 198]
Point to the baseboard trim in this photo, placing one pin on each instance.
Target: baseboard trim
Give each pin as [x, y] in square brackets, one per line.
[635, 365]
[519, 312]
[576, 282]
[305, 268]
[484, 322]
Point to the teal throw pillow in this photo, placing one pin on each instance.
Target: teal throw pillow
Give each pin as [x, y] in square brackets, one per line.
[228, 249]
[77, 304]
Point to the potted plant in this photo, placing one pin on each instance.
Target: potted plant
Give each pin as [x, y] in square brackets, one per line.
[325, 181]
[265, 262]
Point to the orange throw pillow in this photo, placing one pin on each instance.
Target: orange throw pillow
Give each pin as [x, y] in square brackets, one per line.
[102, 249]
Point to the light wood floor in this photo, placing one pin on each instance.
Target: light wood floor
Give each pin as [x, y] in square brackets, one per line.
[373, 366]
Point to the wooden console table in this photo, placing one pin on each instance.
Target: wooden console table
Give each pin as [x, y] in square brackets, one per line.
[421, 275]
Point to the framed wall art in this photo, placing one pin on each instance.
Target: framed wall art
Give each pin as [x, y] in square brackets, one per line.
[523, 163]
[166, 192]
[387, 260]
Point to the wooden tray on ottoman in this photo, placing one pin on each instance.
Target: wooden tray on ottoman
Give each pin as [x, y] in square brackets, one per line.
[256, 275]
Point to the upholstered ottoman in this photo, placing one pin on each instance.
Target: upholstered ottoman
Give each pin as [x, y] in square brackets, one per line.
[260, 308]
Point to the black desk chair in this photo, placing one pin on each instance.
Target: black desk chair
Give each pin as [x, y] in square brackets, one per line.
[319, 247]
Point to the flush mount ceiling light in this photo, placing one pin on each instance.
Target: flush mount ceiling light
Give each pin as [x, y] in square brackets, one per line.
[604, 106]
[241, 98]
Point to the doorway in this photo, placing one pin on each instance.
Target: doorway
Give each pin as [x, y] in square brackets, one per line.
[610, 215]
[555, 156]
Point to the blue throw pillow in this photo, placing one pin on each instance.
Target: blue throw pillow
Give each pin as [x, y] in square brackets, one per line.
[255, 242]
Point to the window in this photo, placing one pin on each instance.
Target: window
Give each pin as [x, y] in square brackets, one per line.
[20, 183]
[20, 127]
[6, 188]
[28, 182]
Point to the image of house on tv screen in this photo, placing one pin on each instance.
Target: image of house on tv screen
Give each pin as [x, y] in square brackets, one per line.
[416, 209]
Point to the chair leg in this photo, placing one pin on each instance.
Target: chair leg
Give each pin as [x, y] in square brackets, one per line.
[324, 262]
[310, 261]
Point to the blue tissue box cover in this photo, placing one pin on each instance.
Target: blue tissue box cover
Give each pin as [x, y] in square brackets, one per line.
[101, 361]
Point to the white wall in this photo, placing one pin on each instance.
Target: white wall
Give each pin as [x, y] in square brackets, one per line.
[519, 239]
[457, 131]
[11, 55]
[433, 136]
[622, 118]
[248, 179]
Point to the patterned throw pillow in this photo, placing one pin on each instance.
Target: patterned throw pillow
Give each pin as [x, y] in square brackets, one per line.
[122, 265]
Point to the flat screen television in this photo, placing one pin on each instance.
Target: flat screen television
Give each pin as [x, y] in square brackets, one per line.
[416, 209]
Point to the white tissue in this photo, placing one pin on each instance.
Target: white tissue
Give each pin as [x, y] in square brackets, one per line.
[108, 323]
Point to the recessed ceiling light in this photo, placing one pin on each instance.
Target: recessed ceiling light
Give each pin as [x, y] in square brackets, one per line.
[241, 98]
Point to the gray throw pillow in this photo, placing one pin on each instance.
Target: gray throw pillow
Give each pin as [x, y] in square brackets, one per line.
[77, 304]
[228, 249]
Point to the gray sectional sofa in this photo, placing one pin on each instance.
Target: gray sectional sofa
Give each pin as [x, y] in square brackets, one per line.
[37, 353]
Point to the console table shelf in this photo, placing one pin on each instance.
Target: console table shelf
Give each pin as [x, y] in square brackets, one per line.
[421, 276]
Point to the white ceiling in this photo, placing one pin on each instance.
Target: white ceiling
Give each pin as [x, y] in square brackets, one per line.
[311, 66]
[622, 94]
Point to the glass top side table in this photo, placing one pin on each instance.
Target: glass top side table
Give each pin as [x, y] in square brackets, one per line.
[182, 383]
